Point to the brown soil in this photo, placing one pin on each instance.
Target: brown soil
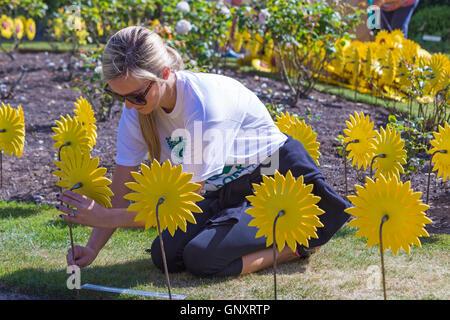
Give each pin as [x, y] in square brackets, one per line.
[45, 96]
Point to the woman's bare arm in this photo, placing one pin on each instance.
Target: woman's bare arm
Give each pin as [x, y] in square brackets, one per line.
[100, 236]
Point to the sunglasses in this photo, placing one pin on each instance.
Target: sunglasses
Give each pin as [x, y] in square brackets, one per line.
[136, 99]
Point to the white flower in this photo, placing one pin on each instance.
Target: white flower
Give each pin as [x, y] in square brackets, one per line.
[183, 27]
[183, 6]
[263, 16]
[98, 70]
[225, 11]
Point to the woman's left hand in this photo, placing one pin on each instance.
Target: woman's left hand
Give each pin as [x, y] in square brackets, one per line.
[87, 212]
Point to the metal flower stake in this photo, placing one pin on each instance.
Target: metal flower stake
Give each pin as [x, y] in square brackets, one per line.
[77, 132]
[12, 133]
[81, 174]
[388, 213]
[440, 154]
[285, 212]
[389, 154]
[164, 197]
[299, 130]
[358, 141]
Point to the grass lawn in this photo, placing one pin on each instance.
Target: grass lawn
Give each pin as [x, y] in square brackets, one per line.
[34, 242]
[51, 46]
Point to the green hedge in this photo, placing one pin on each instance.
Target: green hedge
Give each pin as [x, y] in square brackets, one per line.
[431, 21]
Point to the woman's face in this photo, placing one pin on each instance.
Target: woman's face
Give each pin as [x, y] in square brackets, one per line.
[135, 86]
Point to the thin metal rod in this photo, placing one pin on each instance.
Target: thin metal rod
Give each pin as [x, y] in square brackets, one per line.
[1, 163]
[383, 220]
[345, 163]
[161, 242]
[76, 186]
[72, 243]
[371, 162]
[275, 253]
[429, 172]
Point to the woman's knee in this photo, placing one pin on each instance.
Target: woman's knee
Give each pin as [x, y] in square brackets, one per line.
[199, 260]
[173, 257]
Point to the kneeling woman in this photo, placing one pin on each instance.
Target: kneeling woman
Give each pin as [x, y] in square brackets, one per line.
[228, 140]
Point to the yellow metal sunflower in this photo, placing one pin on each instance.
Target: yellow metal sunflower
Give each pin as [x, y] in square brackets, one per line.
[435, 73]
[409, 52]
[12, 130]
[241, 40]
[369, 62]
[30, 29]
[86, 116]
[389, 143]
[58, 26]
[18, 28]
[404, 210]
[299, 130]
[360, 129]
[77, 167]
[171, 183]
[389, 68]
[6, 26]
[285, 120]
[383, 38]
[70, 131]
[256, 44]
[356, 65]
[300, 220]
[441, 160]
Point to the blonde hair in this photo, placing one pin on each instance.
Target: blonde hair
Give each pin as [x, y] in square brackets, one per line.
[142, 53]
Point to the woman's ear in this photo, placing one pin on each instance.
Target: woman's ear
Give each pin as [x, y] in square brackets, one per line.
[165, 73]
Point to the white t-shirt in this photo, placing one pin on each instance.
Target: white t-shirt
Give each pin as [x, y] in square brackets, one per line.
[218, 130]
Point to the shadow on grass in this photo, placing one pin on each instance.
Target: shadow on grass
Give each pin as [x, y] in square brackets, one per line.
[139, 274]
[52, 284]
[12, 210]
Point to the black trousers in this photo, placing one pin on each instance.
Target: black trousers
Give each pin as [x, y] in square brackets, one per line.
[216, 244]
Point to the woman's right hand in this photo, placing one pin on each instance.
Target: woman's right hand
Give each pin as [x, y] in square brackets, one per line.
[83, 256]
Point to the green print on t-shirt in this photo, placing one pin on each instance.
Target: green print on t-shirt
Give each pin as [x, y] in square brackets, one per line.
[176, 146]
[228, 174]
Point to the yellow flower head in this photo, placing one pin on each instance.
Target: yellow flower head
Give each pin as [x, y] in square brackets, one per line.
[383, 38]
[6, 26]
[69, 130]
[172, 184]
[356, 64]
[299, 130]
[264, 65]
[437, 65]
[388, 142]
[300, 219]
[360, 128]
[241, 40]
[18, 28]
[441, 160]
[77, 167]
[12, 130]
[86, 116]
[285, 120]
[369, 62]
[58, 27]
[100, 30]
[30, 29]
[409, 51]
[389, 68]
[404, 210]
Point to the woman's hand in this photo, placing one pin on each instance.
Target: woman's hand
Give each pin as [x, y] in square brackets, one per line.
[83, 256]
[87, 212]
